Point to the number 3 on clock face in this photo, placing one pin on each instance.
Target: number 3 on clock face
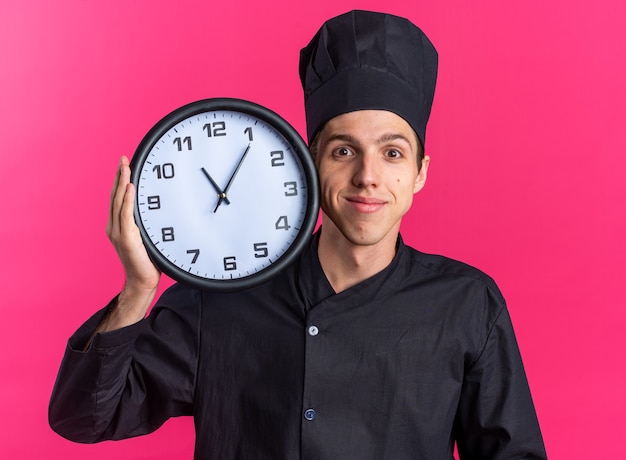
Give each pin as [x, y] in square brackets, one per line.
[227, 194]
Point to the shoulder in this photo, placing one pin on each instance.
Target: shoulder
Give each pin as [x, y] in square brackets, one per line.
[450, 285]
[450, 270]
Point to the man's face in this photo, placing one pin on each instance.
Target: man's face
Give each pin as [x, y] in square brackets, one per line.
[368, 170]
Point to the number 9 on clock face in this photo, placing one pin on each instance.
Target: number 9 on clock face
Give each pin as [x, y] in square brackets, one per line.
[227, 194]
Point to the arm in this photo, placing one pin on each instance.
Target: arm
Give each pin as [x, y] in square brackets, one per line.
[111, 384]
[496, 418]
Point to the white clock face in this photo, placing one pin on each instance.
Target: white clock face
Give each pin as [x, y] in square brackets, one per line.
[221, 195]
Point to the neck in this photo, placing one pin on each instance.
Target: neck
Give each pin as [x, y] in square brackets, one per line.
[346, 264]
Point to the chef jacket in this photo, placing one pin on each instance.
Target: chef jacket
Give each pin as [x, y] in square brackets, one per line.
[400, 366]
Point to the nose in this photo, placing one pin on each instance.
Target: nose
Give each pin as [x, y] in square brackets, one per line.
[367, 173]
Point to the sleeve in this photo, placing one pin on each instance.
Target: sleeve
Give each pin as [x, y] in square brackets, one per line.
[496, 417]
[129, 381]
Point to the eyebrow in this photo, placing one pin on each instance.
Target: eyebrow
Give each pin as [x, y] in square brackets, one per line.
[387, 137]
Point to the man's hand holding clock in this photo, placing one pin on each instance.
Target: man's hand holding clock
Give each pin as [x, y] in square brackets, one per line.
[141, 275]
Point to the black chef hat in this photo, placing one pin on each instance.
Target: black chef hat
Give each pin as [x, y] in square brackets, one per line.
[364, 60]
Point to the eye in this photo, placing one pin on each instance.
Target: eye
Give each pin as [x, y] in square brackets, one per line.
[342, 152]
[393, 153]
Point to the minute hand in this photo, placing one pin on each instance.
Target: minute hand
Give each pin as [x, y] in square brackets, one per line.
[230, 181]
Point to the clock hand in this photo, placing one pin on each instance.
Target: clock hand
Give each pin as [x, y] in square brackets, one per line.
[230, 182]
[220, 193]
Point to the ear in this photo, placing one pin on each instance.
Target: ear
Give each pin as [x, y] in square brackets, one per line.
[420, 180]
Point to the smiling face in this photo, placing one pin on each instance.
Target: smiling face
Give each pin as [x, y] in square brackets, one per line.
[368, 170]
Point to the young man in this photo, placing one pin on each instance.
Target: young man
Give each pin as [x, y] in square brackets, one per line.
[364, 349]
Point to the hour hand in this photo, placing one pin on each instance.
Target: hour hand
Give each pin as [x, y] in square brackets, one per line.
[220, 193]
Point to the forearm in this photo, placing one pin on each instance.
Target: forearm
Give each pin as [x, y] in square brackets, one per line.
[496, 417]
[122, 384]
[79, 409]
[129, 308]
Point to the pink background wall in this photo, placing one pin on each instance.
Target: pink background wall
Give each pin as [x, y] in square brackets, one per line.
[526, 179]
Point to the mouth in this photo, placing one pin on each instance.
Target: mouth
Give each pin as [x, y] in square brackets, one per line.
[365, 205]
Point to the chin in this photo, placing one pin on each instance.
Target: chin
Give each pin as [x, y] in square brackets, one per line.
[361, 238]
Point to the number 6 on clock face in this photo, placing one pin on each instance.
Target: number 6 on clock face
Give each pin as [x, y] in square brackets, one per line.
[227, 194]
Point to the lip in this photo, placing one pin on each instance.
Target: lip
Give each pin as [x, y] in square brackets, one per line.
[365, 205]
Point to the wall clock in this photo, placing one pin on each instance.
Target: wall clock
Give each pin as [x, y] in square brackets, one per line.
[227, 194]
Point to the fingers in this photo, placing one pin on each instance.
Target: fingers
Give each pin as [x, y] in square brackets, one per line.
[118, 194]
[127, 219]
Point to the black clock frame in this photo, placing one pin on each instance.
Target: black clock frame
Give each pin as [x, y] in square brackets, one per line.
[300, 149]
